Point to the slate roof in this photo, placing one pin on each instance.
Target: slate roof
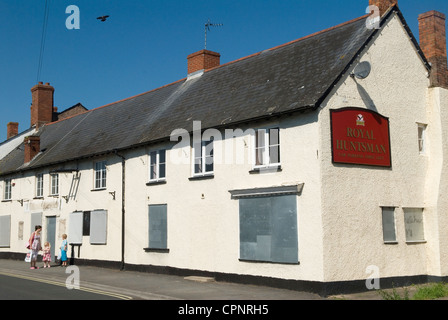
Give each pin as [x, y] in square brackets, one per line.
[293, 77]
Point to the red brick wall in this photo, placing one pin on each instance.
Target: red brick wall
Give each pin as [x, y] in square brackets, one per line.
[12, 130]
[383, 5]
[433, 43]
[42, 104]
[32, 147]
[203, 60]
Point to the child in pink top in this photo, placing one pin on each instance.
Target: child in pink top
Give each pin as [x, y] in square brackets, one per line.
[46, 254]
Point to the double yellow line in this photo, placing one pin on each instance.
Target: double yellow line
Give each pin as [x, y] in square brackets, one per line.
[56, 283]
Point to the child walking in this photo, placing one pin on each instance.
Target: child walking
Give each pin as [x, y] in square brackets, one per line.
[46, 254]
[64, 250]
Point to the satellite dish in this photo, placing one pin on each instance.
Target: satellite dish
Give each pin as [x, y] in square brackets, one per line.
[362, 70]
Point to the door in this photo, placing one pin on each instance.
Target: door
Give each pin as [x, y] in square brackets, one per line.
[51, 235]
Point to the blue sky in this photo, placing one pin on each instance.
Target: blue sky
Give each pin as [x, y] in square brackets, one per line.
[144, 43]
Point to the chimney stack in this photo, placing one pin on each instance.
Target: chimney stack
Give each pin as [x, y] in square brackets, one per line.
[433, 43]
[12, 130]
[203, 60]
[383, 5]
[32, 147]
[42, 104]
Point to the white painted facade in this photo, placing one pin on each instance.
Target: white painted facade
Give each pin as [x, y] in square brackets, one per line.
[339, 210]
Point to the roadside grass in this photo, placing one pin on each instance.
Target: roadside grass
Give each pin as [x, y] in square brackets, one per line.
[430, 291]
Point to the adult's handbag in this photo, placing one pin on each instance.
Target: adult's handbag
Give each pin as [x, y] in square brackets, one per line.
[28, 257]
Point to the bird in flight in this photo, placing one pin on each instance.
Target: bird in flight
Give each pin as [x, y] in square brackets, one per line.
[103, 18]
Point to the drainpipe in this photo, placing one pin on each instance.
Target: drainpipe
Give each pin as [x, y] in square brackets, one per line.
[123, 188]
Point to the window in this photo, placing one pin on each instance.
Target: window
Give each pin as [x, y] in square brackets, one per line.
[100, 175]
[40, 185]
[389, 234]
[5, 231]
[88, 223]
[422, 138]
[267, 147]
[98, 227]
[157, 165]
[54, 189]
[75, 226]
[268, 229]
[203, 157]
[413, 222]
[7, 192]
[158, 227]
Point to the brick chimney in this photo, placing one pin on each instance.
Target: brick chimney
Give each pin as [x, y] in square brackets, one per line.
[433, 43]
[203, 60]
[12, 130]
[42, 104]
[383, 5]
[32, 147]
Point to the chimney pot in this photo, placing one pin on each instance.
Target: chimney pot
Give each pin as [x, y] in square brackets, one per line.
[203, 60]
[12, 129]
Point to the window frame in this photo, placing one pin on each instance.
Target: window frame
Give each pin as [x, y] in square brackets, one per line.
[394, 219]
[203, 158]
[157, 164]
[54, 184]
[164, 233]
[251, 251]
[39, 185]
[266, 161]
[407, 211]
[98, 227]
[422, 138]
[5, 231]
[7, 192]
[100, 182]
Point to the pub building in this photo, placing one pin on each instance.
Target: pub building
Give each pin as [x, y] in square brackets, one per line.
[318, 165]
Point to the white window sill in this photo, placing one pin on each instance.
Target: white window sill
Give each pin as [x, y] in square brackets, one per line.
[99, 189]
[156, 182]
[269, 168]
[208, 175]
[415, 241]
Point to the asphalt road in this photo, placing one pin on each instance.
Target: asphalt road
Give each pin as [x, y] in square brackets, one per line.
[145, 286]
[14, 287]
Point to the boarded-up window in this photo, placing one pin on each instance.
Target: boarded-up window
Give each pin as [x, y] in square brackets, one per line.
[413, 222]
[158, 227]
[98, 227]
[75, 228]
[268, 229]
[5, 231]
[36, 220]
[388, 215]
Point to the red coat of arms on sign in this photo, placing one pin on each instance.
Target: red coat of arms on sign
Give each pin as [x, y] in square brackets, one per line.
[360, 136]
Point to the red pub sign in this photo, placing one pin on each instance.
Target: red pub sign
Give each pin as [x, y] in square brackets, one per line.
[360, 136]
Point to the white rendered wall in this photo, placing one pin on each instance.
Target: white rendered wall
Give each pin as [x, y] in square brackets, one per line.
[353, 195]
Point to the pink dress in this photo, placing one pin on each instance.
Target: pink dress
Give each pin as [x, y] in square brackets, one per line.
[46, 254]
[35, 247]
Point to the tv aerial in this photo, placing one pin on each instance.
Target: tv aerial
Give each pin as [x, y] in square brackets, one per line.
[209, 24]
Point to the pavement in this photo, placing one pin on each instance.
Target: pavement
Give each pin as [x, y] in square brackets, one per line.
[133, 285]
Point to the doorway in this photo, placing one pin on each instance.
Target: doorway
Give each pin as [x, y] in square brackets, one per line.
[51, 235]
